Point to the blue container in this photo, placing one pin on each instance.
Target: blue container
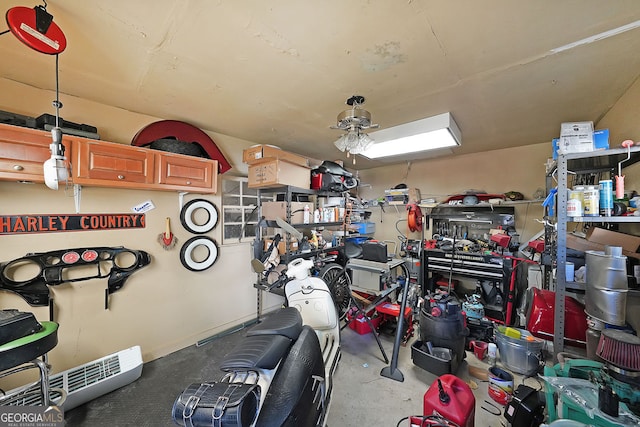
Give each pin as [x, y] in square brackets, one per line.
[364, 227]
[606, 197]
[358, 240]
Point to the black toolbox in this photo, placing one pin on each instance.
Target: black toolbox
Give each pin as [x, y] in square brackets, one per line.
[374, 251]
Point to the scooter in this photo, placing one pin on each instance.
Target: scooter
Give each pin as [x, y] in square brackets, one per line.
[281, 373]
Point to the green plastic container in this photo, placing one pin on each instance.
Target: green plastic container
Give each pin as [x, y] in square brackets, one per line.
[578, 401]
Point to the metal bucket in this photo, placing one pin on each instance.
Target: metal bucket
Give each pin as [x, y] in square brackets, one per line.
[521, 355]
[607, 287]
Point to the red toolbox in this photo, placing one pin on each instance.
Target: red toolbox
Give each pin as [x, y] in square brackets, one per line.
[361, 326]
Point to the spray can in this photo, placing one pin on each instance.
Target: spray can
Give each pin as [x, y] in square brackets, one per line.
[606, 197]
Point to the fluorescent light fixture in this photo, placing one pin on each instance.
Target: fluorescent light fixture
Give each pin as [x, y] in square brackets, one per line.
[432, 133]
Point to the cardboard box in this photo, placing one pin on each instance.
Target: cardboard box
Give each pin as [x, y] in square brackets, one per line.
[258, 153]
[272, 210]
[275, 172]
[627, 242]
[581, 244]
[293, 245]
[576, 137]
[598, 238]
[600, 141]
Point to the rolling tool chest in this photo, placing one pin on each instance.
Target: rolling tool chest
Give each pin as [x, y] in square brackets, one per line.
[464, 250]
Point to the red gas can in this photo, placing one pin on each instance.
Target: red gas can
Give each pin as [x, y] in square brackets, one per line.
[451, 398]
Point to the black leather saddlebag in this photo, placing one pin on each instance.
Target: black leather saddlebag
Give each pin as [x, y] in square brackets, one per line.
[217, 404]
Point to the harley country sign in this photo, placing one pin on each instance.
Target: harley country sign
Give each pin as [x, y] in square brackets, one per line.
[18, 224]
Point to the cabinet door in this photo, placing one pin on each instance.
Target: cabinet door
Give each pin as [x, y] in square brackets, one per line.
[183, 172]
[23, 152]
[115, 165]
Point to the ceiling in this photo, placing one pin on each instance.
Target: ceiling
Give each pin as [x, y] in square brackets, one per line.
[279, 72]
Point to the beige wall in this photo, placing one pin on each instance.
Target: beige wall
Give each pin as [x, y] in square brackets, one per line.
[516, 169]
[162, 307]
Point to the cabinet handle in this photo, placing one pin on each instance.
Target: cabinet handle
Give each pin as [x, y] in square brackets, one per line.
[18, 168]
[188, 182]
[120, 176]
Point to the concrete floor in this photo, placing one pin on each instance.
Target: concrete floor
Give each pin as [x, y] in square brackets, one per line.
[362, 397]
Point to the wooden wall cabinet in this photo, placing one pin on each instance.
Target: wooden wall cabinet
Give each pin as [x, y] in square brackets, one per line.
[109, 164]
[104, 164]
[183, 172]
[23, 152]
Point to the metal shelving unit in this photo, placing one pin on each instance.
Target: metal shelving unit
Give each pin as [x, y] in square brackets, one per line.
[289, 193]
[591, 162]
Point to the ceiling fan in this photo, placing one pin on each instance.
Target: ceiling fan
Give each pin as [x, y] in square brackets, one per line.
[354, 121]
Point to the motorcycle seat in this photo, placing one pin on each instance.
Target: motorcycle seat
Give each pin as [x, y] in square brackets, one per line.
[256, 352]
[286, 322]
[266, 343]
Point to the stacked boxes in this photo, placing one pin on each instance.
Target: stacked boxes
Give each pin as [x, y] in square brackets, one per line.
[270, 166]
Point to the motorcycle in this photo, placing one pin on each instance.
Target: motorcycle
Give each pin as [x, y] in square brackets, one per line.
[281, 373]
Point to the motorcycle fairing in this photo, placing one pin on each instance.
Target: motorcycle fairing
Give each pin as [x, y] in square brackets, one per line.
[52, 266]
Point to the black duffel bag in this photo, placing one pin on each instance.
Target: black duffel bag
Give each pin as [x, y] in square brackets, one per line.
[217, 404]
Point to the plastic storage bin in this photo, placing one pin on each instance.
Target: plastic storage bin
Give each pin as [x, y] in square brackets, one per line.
[364, 227]
[443, 361]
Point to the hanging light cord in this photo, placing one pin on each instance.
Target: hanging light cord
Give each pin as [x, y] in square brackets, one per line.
[57, 148]
[57, 104]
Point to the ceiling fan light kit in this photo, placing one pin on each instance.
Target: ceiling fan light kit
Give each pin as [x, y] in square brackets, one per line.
[431, 133]
[354, 121]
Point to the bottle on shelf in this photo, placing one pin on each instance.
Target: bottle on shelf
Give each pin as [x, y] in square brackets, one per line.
[306, 217]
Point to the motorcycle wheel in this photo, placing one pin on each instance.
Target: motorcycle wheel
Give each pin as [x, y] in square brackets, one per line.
[339, 284]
